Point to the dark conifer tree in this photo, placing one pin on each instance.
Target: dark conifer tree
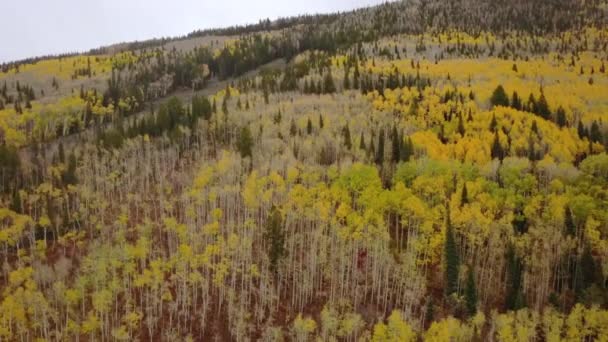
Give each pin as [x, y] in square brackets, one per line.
[245, 142]
[464, 196]
[461, 129]
[275, 238]
[496, 150]
[451, 257]
[346, 136]
[595, 135]
[379, 159]
[560, 117]
[499, 97]
[396, 145]
[471, 293]
[362, 142]
[516, 101]
[293, 129]
[542, 107]
[582, 132]
[569, 222]
[514, 299]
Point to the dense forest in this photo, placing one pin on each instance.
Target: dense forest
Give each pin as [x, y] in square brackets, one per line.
[418, 170]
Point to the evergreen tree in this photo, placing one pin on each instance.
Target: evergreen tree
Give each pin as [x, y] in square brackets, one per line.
[293, 129]
[499, 97]
[61, 153]
[275, 238]
[362, 142]
[69, 176]
[321, 124]
[560, 117]
[461, 129]
[496, 150]
[452, 259]
[542, 107]
[569, 222]
[588, 269]
[346, 135]
[470, 293]
[328, 84]
[225, 105]
[245, 142]
[582, 132]
[16, 202]
[379, 159]
[396, 145]
[514, 299]
[595, 135]
[464, 196]
[516, 101]
[309, 127]
[407, 149]
[346, 82]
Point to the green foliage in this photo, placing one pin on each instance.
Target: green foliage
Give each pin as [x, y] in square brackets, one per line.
[499, 97]
[275, 238]
[245, 142]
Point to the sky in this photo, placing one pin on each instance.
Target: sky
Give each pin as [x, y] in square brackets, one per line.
[41, 27]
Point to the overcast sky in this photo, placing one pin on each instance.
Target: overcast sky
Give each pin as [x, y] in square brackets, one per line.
[40, 27]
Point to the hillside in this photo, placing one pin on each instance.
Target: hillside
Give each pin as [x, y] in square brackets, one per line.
[418, 170]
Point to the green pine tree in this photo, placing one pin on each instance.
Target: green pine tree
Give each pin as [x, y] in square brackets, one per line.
[275, 238]
[470, 293]
[451, 257]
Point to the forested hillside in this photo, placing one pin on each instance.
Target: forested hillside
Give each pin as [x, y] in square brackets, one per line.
[419, 170]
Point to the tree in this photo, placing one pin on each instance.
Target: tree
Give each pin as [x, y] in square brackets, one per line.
[496, 150]
[464, 196]
[362, 142]
[451, 258]
[514, 299]
[569, 222]
[275, 238]
[560, 117]
[493, 123]
[328, 84]
[396, 145]
[407, 149]
[225, 106]
[245, 142]
[461, 130]
[379, 158]
[69, 177]
[595, 135]
[471, 293]
[309, 127]
[321, 121]
[542, 107]
[16, 202]
[499, 97]
[582, 131]
[516, 101]
[293, 129]
[346, 137]
[397, 329]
